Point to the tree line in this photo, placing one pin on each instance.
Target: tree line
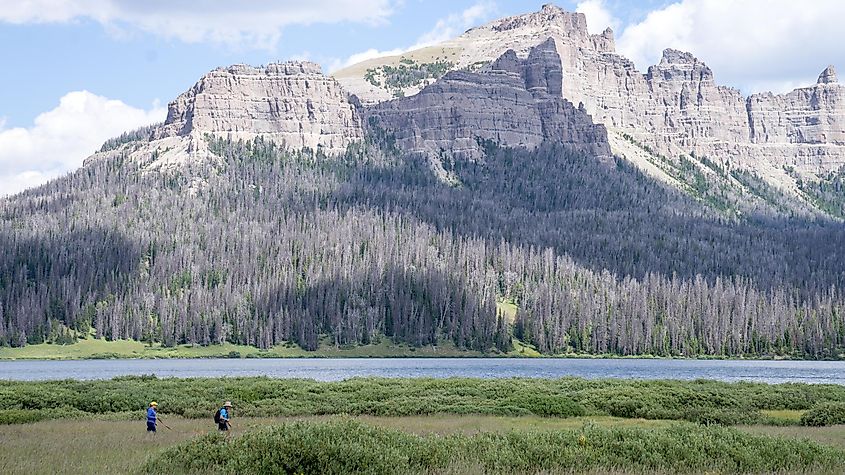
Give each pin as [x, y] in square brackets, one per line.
[268, 247]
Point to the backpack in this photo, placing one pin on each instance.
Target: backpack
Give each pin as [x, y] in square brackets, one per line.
[217, 419]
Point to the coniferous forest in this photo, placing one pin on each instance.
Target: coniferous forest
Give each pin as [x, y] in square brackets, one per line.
[265, 247]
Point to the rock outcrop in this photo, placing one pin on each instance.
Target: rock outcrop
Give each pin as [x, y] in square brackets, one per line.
[291, 103]
[512, 102]
[828, 76]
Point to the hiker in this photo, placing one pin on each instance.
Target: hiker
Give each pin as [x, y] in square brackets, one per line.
[152, 417]
[223, 415]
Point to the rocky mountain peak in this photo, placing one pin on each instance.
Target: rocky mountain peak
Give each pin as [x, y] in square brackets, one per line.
[550, 9]
[572, 23]
[286, 68]
[828, 76]
[680, 65]
[674, 56]
[291, 102]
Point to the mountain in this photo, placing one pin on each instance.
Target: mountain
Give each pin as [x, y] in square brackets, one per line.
[664, 120]
[522, 165]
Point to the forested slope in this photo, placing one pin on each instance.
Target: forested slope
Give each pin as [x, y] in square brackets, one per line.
[268, 247]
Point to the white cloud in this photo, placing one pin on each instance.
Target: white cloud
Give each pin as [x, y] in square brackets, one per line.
[256, 23]
[599, 17]
[60, 139]
[749, 44]
[446, 28]
[371, 53]
[456, 23]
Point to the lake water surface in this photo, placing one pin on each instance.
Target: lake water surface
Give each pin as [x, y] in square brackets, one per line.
[338, 369]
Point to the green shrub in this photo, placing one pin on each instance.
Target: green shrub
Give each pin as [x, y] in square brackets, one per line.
[349, 447]
[705, 402]
[18, 416]
[826, 414]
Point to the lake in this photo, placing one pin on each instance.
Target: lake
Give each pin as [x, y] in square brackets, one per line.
[331, 369]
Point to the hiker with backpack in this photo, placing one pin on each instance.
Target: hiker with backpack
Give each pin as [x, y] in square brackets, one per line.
[223, 416]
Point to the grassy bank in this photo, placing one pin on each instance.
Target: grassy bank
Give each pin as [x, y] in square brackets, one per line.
[92, 348]
[94, 446]
[706, 402]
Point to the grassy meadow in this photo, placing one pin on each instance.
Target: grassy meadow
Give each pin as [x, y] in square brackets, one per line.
[93, 348]
[98, 446]
[370, 425]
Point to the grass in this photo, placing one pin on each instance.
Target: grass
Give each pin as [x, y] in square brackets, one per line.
[782, 416]
[93, 348]
[97, 348]
[423, 55]
[87, 446]
[472, 424]
[832, 435]
[508, 309]
[96, 446]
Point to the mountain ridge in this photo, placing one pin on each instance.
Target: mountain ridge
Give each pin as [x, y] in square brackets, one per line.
[274, 208]
[674, 121]
[672, 112]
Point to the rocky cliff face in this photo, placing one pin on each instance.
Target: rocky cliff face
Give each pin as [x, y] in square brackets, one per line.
[676, 107]
[292, 103]
[512, 102]
[810, 115]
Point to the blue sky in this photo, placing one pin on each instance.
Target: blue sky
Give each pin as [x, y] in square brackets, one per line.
[79, 71]
[139, 67]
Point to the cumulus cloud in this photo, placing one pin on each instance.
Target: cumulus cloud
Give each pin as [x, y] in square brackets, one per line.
[446, 28]
[60, 139]
[749, 44]
[255, 23]
[599, 17]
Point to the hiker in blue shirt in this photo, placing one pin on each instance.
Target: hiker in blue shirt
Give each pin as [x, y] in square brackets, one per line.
[222, 417]
[152, 417]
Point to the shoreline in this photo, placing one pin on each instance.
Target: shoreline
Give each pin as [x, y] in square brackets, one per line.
[469, 356]
[101, 349]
